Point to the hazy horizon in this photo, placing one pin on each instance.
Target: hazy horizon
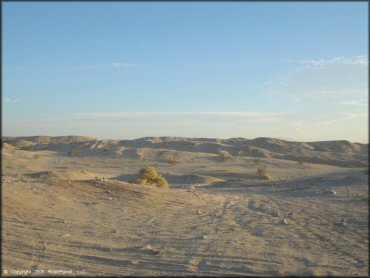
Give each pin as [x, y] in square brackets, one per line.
[174, 136]
[210, 70]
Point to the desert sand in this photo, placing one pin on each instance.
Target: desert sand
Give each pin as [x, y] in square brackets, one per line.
[70, 204]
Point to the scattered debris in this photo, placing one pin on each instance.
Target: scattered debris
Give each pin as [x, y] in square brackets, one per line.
[192, 188]
[331, 192]
[152, 250]
[284, 221]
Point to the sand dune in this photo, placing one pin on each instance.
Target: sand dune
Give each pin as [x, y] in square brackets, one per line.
[70, 203]
[341, 153]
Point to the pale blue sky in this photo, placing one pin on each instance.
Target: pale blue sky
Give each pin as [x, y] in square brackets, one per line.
[128, 70]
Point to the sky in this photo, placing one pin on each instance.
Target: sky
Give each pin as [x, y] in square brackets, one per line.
[125, 70]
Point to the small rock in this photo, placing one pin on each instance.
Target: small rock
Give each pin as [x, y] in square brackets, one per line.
[108, 191]
[284, 221]
[192, 188]
[66, 235]
[204, 237]
[333, 192]
[151, 250]
[64, 221]
[276, 213]
[198, 212]
[110, 198]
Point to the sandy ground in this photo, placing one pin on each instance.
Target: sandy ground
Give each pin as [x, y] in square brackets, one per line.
[217, 218]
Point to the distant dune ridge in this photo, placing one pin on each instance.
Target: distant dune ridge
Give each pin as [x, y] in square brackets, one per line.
[339, 153]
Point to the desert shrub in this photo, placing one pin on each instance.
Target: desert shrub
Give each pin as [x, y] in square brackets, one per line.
[262, 172]
[173, 161]
[35, 156]
[300, 161]
[366, 198]
[224, 155]
[73, 153]
[150, 176]
[256, 161]
[161, 182]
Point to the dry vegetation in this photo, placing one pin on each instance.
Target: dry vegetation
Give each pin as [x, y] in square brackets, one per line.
[73, 153]
[150, 176]
[262, 172]
[173, 161]
[225, 155]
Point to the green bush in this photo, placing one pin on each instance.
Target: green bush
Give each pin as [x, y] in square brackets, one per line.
[256, 161]
[150, 176]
